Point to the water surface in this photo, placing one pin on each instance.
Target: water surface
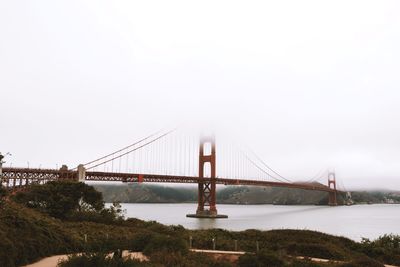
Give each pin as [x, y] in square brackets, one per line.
[355, 222]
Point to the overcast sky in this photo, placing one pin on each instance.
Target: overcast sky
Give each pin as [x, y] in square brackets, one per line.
[308, 85]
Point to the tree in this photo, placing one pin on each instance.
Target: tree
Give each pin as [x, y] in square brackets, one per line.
[263, 258]
[61, 199]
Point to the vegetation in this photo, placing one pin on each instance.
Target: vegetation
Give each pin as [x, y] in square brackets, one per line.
[139, 193]
[68, 200]
[33, 225]
[2, 194]
[27, 235]
[375, 197]
[261, 259]
[385, 249]
[291, 242]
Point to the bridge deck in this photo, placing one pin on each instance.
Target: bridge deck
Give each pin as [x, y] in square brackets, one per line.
[21, 176]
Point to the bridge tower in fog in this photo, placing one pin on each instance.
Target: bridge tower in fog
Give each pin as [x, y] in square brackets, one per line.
[206, 207]
[332, 185]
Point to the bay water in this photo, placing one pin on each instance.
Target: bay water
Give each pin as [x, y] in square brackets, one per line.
[355, 222]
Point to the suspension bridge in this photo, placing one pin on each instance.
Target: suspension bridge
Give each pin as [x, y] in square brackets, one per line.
[175, 157]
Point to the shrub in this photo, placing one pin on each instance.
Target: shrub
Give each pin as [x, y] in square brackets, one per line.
[305, 263]
[248, 260]
[60, 198]
[69, 200]
[264, 258]
[313, 250]
[166, 244]
[26, 236]
[3, 193]
[386, 249]
[165, 258]
[8, 252]
[141, 240]
[364, 261]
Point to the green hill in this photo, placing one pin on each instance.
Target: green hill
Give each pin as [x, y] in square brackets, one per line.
[140, 193]
[148, 193]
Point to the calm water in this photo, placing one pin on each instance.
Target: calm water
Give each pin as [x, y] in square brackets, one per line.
[354, 222]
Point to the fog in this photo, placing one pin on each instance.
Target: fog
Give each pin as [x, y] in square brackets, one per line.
[309, 85]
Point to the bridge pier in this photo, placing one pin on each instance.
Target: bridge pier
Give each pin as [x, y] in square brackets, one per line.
[332, 185]
[207, 189]
[81, 173]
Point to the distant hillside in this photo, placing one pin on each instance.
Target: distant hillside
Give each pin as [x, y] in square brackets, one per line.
[376, 197]
[271, 195]
[140, 193]
[147, 193]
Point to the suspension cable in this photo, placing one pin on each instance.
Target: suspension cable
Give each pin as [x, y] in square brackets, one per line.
[150, 142]
[261, 169]
[122, 149]
[262, 162]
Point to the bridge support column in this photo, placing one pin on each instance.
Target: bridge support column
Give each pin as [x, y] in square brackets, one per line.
[207, 189]
[81, 173]
[332, 185]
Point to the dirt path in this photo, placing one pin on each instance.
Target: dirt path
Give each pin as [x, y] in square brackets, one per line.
[54, 260]
[236, 254]
[48, 262]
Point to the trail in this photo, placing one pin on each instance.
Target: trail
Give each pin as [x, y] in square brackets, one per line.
[54, 260]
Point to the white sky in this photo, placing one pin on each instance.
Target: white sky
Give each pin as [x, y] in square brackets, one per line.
[308, 84]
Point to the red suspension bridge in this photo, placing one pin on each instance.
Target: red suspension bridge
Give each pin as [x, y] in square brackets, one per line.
[175, 157]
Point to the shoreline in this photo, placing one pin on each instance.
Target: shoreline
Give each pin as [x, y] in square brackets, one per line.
[257, 204]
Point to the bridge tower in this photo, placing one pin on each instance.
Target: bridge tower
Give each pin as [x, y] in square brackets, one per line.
[207, 188]
[332, 185]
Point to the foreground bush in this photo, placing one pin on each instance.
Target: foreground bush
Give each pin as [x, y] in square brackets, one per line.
[363, 261]
[386, 249]
[69, 200]
[264, 258]
[167, 244]
[27, 235]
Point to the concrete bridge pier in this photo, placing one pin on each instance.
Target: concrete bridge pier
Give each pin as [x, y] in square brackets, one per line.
[81, 173]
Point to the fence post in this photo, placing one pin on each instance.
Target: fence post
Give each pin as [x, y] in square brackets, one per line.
[236, 245]
[257, 246]
[214, 241]
[190, 242]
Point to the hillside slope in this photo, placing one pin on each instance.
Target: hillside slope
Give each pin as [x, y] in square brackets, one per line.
[148, 193]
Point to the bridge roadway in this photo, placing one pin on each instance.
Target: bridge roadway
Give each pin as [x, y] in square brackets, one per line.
[14, 177]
